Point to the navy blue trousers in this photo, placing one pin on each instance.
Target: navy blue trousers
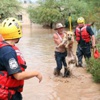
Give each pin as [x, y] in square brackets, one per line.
[83, 51]
[17, 96]
[60, 59]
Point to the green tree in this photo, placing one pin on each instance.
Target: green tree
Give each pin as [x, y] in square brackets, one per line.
[9, 8]
[94, 12]
[52, 11]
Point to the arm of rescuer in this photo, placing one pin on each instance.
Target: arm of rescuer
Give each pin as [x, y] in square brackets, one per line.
[89, 30]
[27, 75]
[10, 63]
[93, 41]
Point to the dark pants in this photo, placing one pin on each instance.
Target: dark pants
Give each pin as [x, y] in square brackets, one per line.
[83, 51]
[60, 59]
[17, 96]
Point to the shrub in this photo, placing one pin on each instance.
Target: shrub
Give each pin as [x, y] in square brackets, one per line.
[93, 66]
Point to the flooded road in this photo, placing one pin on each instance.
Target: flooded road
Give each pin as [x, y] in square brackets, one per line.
[37, 47]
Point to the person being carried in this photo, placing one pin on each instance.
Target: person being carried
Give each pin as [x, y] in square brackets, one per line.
[84, 35]
[60, 52]
[12, 63]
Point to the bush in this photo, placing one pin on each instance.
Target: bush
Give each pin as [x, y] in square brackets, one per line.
[93, 66]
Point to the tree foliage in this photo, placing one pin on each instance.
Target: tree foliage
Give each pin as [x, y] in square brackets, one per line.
[52, 11]
[9, 8]
[94, 12]
[93, 66]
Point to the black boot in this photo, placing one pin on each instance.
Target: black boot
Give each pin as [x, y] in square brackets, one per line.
[79, 65]
[56, 72]
[66, 72]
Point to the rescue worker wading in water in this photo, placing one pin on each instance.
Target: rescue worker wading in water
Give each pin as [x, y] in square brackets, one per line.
[60, 52]
[84, 36]
[12, 64]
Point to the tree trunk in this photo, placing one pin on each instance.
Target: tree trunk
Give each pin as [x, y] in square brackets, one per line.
[51, 25]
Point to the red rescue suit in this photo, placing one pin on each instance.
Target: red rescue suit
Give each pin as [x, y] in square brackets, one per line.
[82, 34]
[8, 84]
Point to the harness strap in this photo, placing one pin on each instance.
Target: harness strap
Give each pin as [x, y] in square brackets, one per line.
[3, 87]
[59, 36]
[15, 88]
[9, 93]
[11, 88]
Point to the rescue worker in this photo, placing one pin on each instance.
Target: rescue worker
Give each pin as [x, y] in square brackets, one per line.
[60, 52]
[84, 37]
[12, 63]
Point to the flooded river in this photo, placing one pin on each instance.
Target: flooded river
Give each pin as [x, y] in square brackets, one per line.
[37, 47]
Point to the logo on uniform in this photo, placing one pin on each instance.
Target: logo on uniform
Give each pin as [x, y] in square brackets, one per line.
[13, 63]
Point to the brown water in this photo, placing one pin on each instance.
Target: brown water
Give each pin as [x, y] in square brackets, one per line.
[37, 47]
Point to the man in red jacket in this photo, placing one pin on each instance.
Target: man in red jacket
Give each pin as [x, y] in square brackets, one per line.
[84, 35]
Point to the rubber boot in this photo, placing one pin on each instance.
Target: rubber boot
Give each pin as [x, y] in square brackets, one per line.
[66, 72]
[56, 72]
[79, 65]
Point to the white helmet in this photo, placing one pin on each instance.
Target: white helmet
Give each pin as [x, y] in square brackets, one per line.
[59, 25]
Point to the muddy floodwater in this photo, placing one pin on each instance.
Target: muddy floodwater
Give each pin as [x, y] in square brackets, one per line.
[37, 47]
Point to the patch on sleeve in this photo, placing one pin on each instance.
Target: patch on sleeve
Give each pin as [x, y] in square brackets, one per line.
[13, 63]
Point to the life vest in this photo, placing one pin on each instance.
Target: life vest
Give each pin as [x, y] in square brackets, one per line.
[9, 84]
[82, 34]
